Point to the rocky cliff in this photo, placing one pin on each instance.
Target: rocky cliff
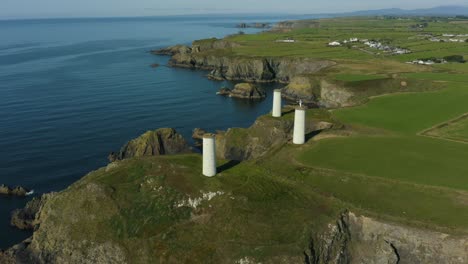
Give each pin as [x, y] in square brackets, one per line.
[163, 141]
[359, 239]
[214, 56]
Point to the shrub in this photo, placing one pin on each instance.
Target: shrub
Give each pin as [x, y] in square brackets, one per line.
[455, 58]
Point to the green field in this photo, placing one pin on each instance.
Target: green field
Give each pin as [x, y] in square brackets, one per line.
[399, 173]
[399, 154]
[382, 164]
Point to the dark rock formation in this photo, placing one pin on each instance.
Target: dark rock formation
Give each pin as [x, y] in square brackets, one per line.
[17, 191]
[247, 91]
[154, 65]
[26, 218]
[163, 141]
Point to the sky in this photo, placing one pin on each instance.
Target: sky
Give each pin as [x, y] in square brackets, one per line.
[106, 8]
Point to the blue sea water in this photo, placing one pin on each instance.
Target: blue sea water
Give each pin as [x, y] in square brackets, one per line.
[72, 90]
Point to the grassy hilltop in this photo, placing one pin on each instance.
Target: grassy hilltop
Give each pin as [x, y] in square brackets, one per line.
[398, 158]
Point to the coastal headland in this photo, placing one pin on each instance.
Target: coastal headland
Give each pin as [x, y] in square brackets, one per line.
[367, 187]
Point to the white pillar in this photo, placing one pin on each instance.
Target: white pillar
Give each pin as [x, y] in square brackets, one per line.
[276, 103]
[299, 126]
[209, 155]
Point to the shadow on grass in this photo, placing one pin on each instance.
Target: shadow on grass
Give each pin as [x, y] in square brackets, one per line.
[228, 165]
[312, 134]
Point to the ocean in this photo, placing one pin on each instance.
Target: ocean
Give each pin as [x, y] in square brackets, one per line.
[73, 90]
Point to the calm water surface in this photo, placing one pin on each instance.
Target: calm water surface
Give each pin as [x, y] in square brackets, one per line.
[73, 90]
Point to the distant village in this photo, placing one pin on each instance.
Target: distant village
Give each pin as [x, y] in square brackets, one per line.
[449, 38]
[372, 44]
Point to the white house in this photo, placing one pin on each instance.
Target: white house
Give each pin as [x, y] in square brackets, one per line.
[286, 40]
[334, 44]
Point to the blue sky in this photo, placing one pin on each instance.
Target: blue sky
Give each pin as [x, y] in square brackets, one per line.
[91, 8]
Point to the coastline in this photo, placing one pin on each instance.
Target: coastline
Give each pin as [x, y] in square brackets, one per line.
[145, 196]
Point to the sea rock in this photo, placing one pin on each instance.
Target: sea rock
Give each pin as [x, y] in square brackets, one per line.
[154, 65]
[224, 91]
[247, 91]
[26, 218]
[163, 141]
[17, 191]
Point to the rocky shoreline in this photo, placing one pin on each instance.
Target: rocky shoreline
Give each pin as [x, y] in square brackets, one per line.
[304, 78]
[16, 191]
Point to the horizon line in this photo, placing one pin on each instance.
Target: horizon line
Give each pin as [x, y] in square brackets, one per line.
[241, 13]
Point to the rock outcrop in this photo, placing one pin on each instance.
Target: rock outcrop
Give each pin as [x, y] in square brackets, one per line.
[318, 92]
[302, 88]
[27, 217]
[244, 91]
[359, 239]
[16, 191]
[265, 134]
[163, 141]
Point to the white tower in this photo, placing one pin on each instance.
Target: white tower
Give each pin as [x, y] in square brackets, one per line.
[276, 103]
[209, 155]
[299, 126]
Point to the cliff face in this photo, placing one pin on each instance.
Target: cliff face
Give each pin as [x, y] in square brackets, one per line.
[225, 67]
[359, 239]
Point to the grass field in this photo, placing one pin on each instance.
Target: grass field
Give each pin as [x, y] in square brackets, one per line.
[399, 173]
[456, 129]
